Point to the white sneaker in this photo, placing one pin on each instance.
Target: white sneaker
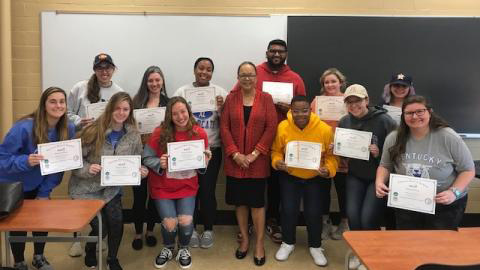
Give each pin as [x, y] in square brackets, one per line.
[338, 233]
[284, 251]
[318, 256]
[195, 240]
[353, 262]
[206, 241]
[326, 228]
[76, 250]
[362, 267]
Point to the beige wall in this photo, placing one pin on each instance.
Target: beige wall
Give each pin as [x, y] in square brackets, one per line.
[25, 33]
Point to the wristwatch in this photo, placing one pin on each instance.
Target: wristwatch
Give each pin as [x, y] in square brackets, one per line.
[456, 192]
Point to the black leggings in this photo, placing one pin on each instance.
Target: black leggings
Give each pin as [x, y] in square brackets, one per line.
[112, 225]
[206, 203]
[340, 187]
[140, 214]
[18, 249]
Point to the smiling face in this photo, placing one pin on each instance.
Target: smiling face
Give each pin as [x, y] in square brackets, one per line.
[120, 113]
[104, 73]
[331, 85]
[55, 106]
[247, 77]
[203, 73]
[180, 116]
[301, 113]
[416, 116]
[154, 83]
[357, 106]
[399, 91]
[276, 55]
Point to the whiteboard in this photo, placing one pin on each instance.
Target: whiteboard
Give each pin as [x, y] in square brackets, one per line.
[71, 41]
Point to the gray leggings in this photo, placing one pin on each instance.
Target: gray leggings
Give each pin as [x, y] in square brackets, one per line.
[112, 225]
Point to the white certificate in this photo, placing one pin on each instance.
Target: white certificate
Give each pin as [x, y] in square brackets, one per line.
[60, 156]
[187, 155]
[121, 170]
[330, 107]
[280, 92]
[412, 193]
[394, 112]
[94, 110]
[148, 119]
[352, 143]
[305, 155]
[201, 99]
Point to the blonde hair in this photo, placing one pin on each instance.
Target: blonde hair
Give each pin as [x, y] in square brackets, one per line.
[338, 74]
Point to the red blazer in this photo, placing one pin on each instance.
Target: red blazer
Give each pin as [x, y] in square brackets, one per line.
[258, 134]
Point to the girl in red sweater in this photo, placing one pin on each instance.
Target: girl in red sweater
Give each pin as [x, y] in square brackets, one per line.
[174, 192]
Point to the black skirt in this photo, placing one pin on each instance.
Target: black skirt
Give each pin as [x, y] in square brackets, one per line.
[245, 191]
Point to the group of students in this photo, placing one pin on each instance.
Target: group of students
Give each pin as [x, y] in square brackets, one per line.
[249, 132]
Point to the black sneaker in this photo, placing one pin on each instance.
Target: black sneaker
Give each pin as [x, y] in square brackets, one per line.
[113, 264]
[41, 263]
[162, 258]
[184, 258]
[91, 258]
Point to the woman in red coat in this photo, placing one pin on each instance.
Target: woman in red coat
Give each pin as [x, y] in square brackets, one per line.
[248, 124]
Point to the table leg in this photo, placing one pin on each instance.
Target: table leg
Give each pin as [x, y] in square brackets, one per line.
[100, 242]
[7, 248]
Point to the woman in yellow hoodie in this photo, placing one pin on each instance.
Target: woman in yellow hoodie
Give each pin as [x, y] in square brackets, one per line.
[297, 183]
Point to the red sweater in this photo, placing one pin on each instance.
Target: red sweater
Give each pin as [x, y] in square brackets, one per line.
[258, 134]
[177, 184]
[285, 75]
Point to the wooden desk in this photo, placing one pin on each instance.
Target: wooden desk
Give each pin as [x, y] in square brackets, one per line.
[66, 216]
[406, 250]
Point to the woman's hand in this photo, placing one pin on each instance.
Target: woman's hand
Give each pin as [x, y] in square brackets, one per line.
[381, 190]
[94, 169]
[241, 161]
[374, 150]
[143, 171]
[34, 159]
[164, 161]
[208, 156]
[281, 166]
[323, 172]
[445, 197]
[220, 102]
[86, 121]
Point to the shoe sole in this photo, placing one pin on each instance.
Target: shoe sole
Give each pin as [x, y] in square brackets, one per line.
[159, 266]
[206, 246]
[185, 266]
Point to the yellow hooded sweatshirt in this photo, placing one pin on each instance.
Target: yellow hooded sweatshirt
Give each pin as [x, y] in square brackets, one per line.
[315, 131]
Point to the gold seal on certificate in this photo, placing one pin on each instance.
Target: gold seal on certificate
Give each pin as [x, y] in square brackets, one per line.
[186, 155]
[304, 155]
[201, 99]
[330, 107]
[121, 170]
[394, 112]
[280, 92]
[412, 193]
[352, 143]
[148, 119]
[60, 156]
[94, 110]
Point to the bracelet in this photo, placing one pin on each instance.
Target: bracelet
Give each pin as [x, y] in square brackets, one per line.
[255, 153]
[234, 155]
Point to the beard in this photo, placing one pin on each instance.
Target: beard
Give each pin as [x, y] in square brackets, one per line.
[273, 65]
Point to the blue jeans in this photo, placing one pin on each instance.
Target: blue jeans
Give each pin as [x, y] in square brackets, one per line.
[447, 217]
[313, 191]
[364, 209]
[171, 209]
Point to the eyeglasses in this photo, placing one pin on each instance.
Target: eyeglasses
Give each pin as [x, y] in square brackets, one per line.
[272, 51]
[419, 112]
[247, 76]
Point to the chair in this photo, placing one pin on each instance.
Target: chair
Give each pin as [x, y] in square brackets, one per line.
[433, 266]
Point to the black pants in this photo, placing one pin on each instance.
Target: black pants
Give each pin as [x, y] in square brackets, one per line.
[273, 196]
[18, 249]
[112, 225]
[140, 214]
[206, 203]
[340, 186]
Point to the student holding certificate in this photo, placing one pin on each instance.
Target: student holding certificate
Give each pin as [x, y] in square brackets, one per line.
[113, 134]
[151, 94]
[210, 122]
[99, 88]
[19, 160]
[424, 146]
[333, 83]
[247, 128]
[174, 192]
[312, 185]
[364, 209]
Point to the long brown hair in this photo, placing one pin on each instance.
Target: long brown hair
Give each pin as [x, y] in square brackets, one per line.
[40, 123]
[168, 127]
[141, 98]
[97, 131]
[93, 88]
[403, 131]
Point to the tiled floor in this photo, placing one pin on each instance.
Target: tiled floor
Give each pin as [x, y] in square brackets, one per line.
[220, 256]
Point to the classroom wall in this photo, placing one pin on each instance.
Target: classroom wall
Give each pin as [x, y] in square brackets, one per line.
[25, 20]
